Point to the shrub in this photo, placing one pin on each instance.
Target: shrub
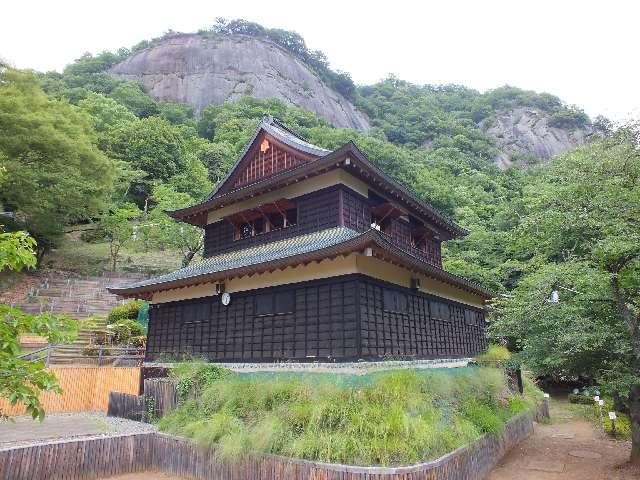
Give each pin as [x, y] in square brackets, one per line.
[90, 351]
[581, 399]
[495, 355]
[193, 377]
[125, 330]
[623, 426]
[128, 311]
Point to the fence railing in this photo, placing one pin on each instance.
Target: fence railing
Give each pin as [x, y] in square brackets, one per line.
[98, 355]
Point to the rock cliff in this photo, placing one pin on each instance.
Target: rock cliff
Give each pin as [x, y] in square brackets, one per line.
[524, 135]
[200, 70]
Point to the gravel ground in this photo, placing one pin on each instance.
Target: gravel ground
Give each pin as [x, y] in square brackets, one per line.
[357, 368]
[23, 430]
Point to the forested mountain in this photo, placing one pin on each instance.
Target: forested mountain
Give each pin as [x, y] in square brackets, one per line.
[239, 58]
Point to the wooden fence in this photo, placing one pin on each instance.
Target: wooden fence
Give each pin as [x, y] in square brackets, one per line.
[83, 389]
[160, 396]
[103, 457]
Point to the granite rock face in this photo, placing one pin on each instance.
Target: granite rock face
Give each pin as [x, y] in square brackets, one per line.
[524, 135]
[199, 70]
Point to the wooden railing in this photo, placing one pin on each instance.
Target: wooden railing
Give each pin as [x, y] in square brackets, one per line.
[432, 258]
[70, 354]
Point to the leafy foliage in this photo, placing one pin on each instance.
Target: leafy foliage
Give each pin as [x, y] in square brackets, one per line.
[55, 175]
[126, 311]
[22, 380]
[125, 330]
[17, 251]
[119, 229]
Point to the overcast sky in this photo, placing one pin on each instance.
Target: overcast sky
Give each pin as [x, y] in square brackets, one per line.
[586, 52]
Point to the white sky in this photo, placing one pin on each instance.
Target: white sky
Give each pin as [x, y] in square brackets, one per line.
[586, 52]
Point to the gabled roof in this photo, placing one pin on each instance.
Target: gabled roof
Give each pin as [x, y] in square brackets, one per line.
[280, 132]
[288, 252]
[358, 165]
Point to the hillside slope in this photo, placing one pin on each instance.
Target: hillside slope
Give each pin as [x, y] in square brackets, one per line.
[201, 70]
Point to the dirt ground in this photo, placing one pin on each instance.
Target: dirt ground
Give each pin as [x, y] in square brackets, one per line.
[569, 448]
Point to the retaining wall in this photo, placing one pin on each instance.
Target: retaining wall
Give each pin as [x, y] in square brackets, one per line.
[103, 457]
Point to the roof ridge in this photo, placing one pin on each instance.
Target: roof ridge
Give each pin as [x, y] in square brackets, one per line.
[271, 120]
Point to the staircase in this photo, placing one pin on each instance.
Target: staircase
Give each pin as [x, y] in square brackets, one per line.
[78, 297]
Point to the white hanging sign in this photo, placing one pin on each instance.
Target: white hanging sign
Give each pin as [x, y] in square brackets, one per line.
[612, 415]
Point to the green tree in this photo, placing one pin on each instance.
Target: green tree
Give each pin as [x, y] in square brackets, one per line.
[105, 113]
[55, 175]
[151, 145]
[22, 380]
[133, 96]
[193, 180]
[581, 238]
[166, 231]
[16, 251]
[119, 229]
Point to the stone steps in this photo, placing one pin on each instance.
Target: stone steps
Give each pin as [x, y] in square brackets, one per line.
[77, 297]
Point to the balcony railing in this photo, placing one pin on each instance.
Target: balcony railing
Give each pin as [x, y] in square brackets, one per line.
[431, 256]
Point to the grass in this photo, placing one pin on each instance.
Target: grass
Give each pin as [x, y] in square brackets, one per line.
[590, 413]
[387, 418]
[76, 255]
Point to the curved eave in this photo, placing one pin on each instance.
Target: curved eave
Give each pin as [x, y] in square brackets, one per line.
[372, 238]
[360, 166]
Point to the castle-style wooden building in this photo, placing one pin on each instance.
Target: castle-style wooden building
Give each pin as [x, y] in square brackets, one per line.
[313, 254]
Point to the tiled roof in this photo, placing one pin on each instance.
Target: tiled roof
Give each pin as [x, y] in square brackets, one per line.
[282, 253]
[285, 135]
[258, 254]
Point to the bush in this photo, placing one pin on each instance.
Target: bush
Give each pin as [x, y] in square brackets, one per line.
[125, 330]
[495, 355]
[581, 399]
[128, 311]
[623, 426]
[193, 377]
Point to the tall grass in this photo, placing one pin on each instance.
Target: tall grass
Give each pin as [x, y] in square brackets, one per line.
[400, 417]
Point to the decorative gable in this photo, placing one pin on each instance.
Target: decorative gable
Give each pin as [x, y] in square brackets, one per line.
[267, 158]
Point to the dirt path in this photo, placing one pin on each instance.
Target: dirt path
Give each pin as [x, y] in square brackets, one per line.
[567, 449]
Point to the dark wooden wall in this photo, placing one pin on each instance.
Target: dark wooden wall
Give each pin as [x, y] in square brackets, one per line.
[316, 211]
[323, 324]
[326, 208]
[400, 322]
[342, 318]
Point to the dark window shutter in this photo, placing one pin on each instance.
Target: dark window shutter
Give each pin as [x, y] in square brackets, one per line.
[264, 304]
